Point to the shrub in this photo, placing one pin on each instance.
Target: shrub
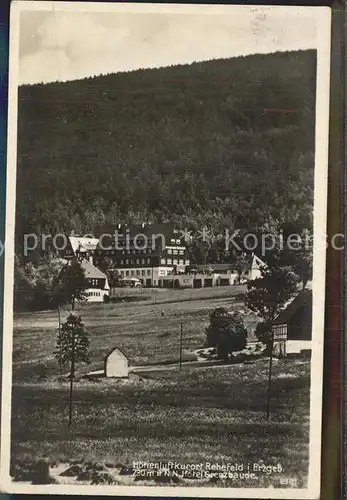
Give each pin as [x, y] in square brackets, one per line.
[226, 332]
[106, 299]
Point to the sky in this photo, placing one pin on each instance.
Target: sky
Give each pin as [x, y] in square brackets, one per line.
[58, 45]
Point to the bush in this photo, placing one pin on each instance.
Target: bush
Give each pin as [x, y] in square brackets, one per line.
[226, 332]
[107, 299]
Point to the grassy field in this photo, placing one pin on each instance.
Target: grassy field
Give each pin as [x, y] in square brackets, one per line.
[196, 415]
[137, 328]
[199, 414]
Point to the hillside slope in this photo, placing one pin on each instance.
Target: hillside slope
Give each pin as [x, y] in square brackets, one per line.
[229, 140]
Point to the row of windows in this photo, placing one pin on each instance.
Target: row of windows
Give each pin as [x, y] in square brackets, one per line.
[131, 262]
[133, 251]
[93, 282]
[136, 272]
[93, 294]
[174, 262]
[174, 251]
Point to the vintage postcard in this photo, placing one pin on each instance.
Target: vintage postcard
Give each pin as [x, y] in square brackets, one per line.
[165, 250]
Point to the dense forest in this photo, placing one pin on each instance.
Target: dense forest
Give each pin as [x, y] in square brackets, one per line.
[226, 143]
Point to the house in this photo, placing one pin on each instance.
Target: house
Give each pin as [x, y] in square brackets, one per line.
[96, 282]
[292, 328]
[196, 280]
[116, 364]
[147, 252]
[223, 274]
[254, 271]
[80, 247]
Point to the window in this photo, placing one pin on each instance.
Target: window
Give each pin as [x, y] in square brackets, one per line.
[181, 252]
[122, 262]
[127, 261]
[126, 273]
[154, 282]
[121, 273]
[148, 261]
[169, 250]
[181, 262]
[175, 251]
[137, 261]
[178, 242]
[143, 261]
[163, 261]
[138, 272]
[175, 262]
[132, 272]
[148, 272]
[143, 272]
[169, 262]
[162, 272]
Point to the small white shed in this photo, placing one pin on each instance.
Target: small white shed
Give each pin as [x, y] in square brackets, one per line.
[116, 364]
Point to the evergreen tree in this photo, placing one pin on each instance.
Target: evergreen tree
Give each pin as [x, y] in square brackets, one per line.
[72, 347]
[71, 284]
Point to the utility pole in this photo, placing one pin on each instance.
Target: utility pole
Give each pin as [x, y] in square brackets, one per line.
[181, 340]
[270, 376]
[59, 333]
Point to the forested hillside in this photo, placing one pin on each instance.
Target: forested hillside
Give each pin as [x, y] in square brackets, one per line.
[228, 141]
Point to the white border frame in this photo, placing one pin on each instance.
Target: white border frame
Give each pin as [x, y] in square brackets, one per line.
[323, 19]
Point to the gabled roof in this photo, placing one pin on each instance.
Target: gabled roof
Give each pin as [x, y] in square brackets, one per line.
[116, 349]
[257, 262]
[302, 299]
[92, 272]
[83, 244]
[167, 231]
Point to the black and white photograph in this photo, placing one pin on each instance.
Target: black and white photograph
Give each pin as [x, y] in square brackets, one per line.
[165, 250]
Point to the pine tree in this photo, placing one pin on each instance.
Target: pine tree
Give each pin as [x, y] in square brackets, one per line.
[72, 348]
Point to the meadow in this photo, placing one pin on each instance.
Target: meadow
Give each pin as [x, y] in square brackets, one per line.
[137, 326]
[214, 413]
[194, 415]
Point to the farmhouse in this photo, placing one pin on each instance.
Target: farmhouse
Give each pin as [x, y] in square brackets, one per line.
[80, 247]
[116, 364]
[96, 282]
[292, 328]
[254, 271]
